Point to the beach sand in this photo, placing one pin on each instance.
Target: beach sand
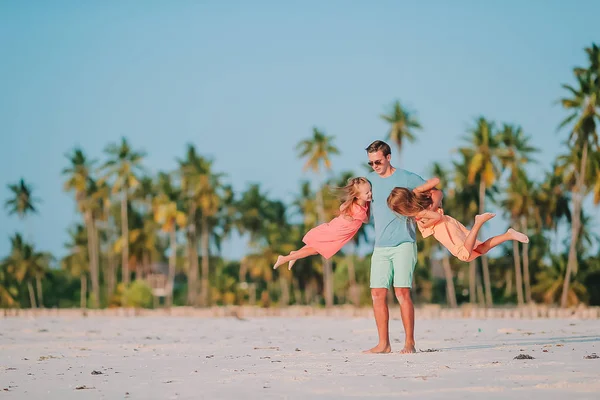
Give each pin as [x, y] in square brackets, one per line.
[295, 358]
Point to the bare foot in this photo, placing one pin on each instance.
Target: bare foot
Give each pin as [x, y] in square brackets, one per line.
[379, 350]
[518, 236]
[408, 348]
[291, 263]
[484, 217]
[278, 262]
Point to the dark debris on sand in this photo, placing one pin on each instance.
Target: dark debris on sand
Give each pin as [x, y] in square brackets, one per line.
[524, 357]
[429, 350]
[592, 356]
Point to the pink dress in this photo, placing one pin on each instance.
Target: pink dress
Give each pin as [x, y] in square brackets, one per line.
[328, 238]
[452, 235]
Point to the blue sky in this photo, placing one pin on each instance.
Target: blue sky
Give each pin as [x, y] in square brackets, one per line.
[246, 81]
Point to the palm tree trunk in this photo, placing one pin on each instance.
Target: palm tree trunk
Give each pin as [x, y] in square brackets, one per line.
[353, 289]
[508, 279]
[484, 260]
[472, 282]
[527, 281]
[327, 270]
[40, 294]
[83, 294]
[172, 259]
[96, 251]
[518, 276]
[575, 227]
[145, 266]
[297, 291]
[285, 291]
[110, 258]
[31, 294]
[204, 246]
[89, 224]
[480, 296]
[450, 292]
[112, 272]
[193, 257]
[125, 236]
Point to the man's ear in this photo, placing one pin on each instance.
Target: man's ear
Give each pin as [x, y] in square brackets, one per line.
[389, 157]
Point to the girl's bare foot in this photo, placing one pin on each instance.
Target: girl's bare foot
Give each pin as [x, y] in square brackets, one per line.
[379, 350]
[278, 262]
[518, 236]
[480, 219]
[291, 263]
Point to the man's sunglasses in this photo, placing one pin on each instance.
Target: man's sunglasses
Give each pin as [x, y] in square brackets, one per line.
[376, 162]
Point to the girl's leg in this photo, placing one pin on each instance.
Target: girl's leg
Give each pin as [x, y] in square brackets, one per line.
[295, 255]
[472, 236]
[492, 242]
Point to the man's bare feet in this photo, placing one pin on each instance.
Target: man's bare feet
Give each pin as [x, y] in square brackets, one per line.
[481, 218]
[518, 236]
[278, 262]
[379, 350]
[408, 348]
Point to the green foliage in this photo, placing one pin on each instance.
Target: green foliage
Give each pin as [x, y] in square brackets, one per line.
[138, 295]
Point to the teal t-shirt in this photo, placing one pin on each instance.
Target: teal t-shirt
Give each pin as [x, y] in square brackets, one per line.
[391, 229]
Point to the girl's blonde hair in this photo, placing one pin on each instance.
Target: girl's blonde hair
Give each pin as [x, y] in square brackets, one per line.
[350, 193]
[408, 203]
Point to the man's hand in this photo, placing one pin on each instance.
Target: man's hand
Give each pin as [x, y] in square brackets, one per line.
[436, 198]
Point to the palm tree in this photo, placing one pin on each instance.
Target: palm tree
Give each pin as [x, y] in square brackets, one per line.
[80, 181]
[403, 123]
[106, 243]
[552, 200]
[123, 166]
[169, 216]
[193, 173]
[550, 280]
[26, 264]
[583, 139]
[205, 194]
[8, 290]
[484, 154]
[515, 205]
[22, 201]
[517, 157]
[317, 151]
[76, 262]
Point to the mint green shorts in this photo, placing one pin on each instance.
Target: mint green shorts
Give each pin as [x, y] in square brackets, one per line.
[393, 265]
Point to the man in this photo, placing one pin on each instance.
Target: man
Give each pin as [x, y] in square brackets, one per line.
[395, 253]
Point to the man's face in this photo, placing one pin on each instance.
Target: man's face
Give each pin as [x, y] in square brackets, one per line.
[379, 162]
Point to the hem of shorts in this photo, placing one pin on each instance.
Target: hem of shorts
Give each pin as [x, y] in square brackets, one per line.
[396, 245]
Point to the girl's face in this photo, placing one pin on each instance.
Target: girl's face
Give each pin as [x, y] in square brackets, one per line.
[364, 192]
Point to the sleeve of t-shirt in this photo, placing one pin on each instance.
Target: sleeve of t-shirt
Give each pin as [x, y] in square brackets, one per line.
[414, 180]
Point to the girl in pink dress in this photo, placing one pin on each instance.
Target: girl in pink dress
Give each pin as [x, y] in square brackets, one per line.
[453, 235]
[328, 238]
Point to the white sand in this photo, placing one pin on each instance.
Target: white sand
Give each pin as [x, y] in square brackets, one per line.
[295, 358]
